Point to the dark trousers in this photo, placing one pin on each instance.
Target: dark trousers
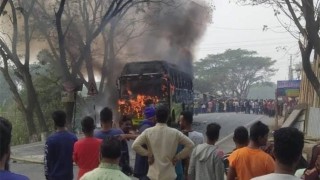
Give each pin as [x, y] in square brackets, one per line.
[141, 177]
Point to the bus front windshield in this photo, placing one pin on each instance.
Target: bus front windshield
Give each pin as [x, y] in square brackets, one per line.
[134, 86]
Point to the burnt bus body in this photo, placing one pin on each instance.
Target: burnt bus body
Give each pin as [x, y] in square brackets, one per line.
[154, 83]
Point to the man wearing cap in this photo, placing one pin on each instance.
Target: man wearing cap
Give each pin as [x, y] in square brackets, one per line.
[149, 121]
[141, 165]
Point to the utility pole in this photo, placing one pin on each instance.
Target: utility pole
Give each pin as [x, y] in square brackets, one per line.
[276, 119]
[290, 75]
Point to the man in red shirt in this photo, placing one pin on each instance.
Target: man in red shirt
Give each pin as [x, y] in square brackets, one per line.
[86, 152]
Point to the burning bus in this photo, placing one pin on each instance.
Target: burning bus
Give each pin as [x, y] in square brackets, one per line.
[143, 84]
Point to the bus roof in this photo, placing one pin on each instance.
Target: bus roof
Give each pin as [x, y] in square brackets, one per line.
[150, 67]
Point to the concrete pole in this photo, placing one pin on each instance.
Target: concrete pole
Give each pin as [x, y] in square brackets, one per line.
[276, 110]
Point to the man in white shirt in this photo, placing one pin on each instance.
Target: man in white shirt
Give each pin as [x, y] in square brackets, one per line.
[162, 142]
[288, 145]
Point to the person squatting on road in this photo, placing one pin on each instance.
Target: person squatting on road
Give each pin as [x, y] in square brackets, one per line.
[58, 163]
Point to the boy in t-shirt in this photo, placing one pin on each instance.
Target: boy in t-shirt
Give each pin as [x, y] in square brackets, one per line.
[106, 118]
[58, 163]
[86, 151]
[240, 139]
[205, 159]
[249, 162]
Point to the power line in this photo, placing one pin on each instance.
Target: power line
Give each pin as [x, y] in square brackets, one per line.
[260, 40]
[243, 29]
[247, 45]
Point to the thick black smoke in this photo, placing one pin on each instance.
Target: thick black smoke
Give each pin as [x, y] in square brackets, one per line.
[175, 31]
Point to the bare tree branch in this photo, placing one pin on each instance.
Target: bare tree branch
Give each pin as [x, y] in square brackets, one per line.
[305, 53]
[13, 87]
[298, 4]
[61, 40]
[67, 29]
[295, 19]
[287, 28]
[311, 25]
[27, 38]
[15, 28]
[3, 5]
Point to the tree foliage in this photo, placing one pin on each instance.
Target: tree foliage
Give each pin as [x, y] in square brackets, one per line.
[48, 84]
[232, 73]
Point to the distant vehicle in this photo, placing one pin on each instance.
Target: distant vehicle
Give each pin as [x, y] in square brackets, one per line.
[154, 83]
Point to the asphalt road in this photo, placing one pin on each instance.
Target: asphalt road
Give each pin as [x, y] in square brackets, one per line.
[228, 122]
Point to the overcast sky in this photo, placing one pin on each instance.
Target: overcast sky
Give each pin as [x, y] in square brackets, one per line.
[236, 26]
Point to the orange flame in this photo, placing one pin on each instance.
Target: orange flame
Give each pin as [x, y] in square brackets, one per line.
[136, 105]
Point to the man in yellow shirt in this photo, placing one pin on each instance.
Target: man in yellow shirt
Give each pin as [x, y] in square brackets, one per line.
[249, 162]
[162, 142]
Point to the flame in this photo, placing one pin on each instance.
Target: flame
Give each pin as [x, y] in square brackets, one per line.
[172, 88]
[164, 87]
[135, 106]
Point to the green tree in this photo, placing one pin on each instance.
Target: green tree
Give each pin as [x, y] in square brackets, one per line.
[5, 94]
[48, 84]
[232, 73]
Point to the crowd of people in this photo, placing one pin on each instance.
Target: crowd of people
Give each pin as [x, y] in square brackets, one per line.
[247, 106]
[162, 152]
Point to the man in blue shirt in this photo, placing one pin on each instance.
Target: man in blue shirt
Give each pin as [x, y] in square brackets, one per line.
[5, 139]
[108, 131]
[58, 163]
[106, 125]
